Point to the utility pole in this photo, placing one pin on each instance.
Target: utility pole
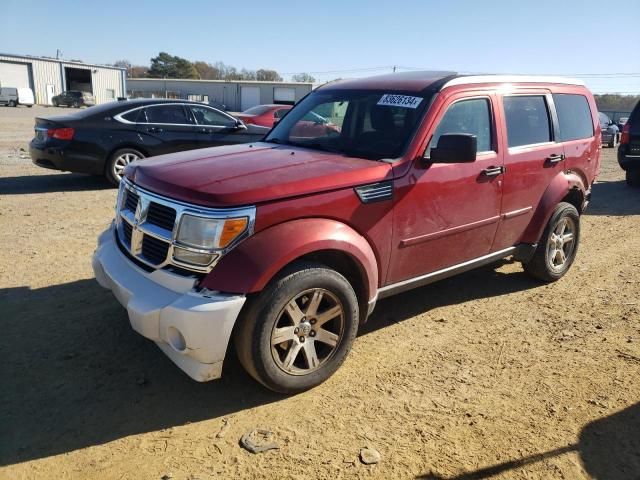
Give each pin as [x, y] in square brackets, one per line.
[394, 69]
[58, 54]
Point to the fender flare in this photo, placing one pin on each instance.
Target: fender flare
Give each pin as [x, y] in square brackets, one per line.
[558, 189]
[254, 262]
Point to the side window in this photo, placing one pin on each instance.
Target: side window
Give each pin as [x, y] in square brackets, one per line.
[527, 120]
[209, 116]
[133, 115]
[279, 113]
[170, 114]
[574, 116]
[466, 116]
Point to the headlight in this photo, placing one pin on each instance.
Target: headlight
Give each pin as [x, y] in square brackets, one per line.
[210, 233]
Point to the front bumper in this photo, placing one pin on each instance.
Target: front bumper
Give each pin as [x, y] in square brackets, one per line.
[191, 328]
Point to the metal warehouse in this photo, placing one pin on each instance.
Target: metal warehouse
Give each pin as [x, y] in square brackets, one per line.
[235, 95]
[48, 77]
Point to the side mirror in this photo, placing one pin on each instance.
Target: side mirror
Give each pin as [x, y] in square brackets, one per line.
[455, 148]
[240, 125]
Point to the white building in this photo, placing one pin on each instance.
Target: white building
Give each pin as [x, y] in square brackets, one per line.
[235, 95]
[48, 77]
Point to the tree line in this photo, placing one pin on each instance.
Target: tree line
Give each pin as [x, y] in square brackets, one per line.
[166, 65]
[616, 103]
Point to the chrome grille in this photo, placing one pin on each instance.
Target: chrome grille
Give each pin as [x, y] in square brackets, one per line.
[147, 226]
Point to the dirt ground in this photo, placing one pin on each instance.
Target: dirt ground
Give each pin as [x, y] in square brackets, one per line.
[488, 374]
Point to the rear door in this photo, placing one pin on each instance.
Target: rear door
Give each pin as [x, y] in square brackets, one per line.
[214, 128]
[577, 134]
[532, 159]
[167, 128]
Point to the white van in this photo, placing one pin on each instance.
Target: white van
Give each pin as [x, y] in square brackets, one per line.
[25, 97]
[13, 97]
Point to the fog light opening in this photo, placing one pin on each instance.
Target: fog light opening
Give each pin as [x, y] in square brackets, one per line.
[176, 340]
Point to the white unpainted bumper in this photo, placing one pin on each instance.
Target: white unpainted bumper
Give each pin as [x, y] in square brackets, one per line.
[191, 328]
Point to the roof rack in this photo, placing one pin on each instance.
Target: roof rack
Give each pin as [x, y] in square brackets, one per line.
[467, 79]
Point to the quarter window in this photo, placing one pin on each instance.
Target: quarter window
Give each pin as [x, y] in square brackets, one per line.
[467, 116]
[527, 120]
[574, 116]
[132, 116]
[169, 114]
[208, 116]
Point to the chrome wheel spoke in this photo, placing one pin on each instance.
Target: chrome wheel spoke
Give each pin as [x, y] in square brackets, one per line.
[292, 354]
[283, 334]
[311, 355]
[314, 303]
[294, 311]
[567, 237]
[329, 314]
[325, 336]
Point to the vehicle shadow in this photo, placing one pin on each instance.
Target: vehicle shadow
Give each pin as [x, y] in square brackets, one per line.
[49, 183]
[614, 198]
[609, 449]
[75, 374]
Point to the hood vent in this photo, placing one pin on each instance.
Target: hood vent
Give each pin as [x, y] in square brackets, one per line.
[375, 192]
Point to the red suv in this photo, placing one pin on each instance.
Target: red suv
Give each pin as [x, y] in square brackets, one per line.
[285, 245]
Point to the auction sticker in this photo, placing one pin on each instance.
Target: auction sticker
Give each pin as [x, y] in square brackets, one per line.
[404, 101]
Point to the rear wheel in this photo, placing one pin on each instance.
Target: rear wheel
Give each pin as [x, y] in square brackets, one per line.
[633, 178]
[118, 161]
[613, 142]
[55, 103]
[558, 246]
[297, 332]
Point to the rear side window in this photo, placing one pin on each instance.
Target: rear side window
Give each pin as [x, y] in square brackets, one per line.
[467, 116]
[574, 116]
[170, 114]
[527, 120]
[132, 116]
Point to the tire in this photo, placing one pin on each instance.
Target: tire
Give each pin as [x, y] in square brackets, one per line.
[612, 143]
[555, 252]
[633, 178]
[76, 104]
[118, 161]
[55, 103]
[12, 103]
[301, 360]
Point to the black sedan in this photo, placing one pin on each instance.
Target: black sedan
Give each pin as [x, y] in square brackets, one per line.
[103, 140]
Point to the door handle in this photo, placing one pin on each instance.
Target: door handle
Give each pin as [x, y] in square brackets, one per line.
[555, 158]
[493, 171]
[204, 130]
[154, 130]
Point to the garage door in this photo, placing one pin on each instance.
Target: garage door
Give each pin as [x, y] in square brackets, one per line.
[14, 75]
[249, 97]
[284, 95]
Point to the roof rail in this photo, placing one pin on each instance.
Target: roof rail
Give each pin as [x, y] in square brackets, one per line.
[465, 80]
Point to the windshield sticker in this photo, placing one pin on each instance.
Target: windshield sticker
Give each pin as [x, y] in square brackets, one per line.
[404, 101]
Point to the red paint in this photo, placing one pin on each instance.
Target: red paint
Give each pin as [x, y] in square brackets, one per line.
[266, 118]
[440, 214]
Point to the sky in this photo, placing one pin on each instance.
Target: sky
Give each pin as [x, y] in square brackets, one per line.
[594, 40]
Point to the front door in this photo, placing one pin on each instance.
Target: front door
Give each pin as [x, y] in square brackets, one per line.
[167, 128]
[214, 128]
[447, 214]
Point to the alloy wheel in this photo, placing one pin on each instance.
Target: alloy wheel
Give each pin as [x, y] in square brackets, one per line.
[121, 162]
[307, 331]
[561, 244]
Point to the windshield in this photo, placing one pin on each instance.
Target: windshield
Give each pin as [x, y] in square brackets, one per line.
[258, 110]
[359, 123]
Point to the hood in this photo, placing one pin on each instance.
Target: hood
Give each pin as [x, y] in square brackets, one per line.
[249, 174]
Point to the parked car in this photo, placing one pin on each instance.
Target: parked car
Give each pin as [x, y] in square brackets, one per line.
[9, 96]
[622, 122]
[610, 132]
[73, 98]
[12, 97]
[284, 246]
[629, 150]
[264, 115]
[103, 140]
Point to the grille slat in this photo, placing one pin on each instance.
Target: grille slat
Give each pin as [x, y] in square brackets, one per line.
[161, 216]
[127, 232]
[154, 250]
[131, 201]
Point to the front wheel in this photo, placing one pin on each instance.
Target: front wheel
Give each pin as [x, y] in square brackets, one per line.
[12, 103]
[558, 246]
[118, 161]
[297, 332]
